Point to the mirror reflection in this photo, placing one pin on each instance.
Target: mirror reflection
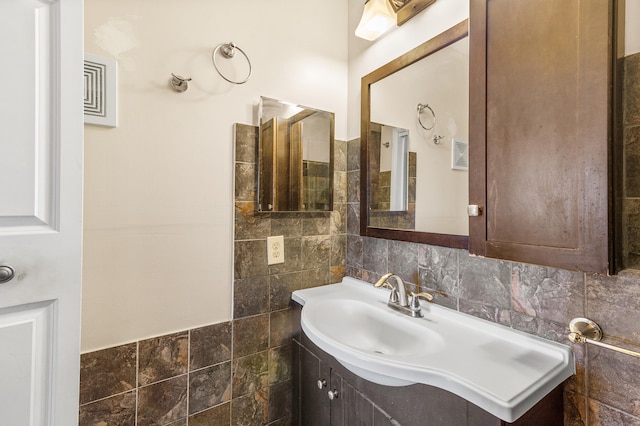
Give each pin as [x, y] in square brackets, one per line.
[295, 157]
[391, 177]
[429, 100]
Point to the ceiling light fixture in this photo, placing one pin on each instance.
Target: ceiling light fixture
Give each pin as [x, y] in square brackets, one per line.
[378, 17]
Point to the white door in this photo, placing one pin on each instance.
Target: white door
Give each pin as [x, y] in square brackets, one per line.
[41, 102]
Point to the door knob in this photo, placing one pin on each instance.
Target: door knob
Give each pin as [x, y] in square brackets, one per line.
[6, 274]
[333, 394]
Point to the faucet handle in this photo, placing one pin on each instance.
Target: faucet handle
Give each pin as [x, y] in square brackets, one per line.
[393, 296]
[427, 296]
[414, 303]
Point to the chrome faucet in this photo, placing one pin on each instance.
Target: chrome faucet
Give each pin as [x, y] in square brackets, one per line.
[398, 299]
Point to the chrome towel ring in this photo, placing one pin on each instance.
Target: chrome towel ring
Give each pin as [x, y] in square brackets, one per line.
[420, 110]
[228, 50]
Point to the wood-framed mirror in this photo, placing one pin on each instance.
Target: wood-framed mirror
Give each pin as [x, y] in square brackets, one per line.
[402, 111]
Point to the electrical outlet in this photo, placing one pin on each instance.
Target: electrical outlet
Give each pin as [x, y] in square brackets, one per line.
[275, 250]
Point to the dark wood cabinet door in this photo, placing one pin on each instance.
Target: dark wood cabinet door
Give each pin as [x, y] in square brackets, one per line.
[314, 403]
[540, 100]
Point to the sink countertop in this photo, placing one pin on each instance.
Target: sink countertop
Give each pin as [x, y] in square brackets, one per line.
[502, 370]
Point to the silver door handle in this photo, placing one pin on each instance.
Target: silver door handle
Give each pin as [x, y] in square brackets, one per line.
[6, 274]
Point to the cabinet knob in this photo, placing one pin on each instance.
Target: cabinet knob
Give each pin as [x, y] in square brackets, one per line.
[322, 383]
[6, 274]
[333, 394]
[474, 210]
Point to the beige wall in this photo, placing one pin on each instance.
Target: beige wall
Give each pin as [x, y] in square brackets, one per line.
[158, 213]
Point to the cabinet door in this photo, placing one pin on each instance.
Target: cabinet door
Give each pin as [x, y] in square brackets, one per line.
[314, 402]
[539, 131]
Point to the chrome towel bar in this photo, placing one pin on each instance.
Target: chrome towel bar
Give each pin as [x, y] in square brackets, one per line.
[583, 330]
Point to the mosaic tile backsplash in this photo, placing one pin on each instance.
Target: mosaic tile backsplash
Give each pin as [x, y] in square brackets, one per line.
[239, 372]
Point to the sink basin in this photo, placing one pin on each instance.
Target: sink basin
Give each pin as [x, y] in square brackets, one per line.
[504, 371]
[363, 327]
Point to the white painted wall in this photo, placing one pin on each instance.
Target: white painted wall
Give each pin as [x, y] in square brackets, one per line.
[158, 219]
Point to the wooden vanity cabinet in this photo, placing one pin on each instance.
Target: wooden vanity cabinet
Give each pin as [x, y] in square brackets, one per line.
[364, 403]
[540, 129]
[348, 407]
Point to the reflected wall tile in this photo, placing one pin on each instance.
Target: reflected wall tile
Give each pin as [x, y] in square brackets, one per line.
[548, 293]
[210, 345]
[107, 372]
[246, 138]
[353, 186]
[339, 187]
[353, 154]
[163, 357]
[163, 402]
[631, 232]
[250, 373]
[117, 410]
[403, 260]
[438, 268]
[340, 155]
[250, 335]
[632, 161]
[485, 281]
[219, 415]
[250, 258]
[614, 304]
[209, 387]
[614, 379]
[375, 254]
[250, 296]
[632, 90]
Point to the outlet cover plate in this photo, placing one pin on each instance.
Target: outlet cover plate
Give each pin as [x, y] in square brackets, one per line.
[275, 250]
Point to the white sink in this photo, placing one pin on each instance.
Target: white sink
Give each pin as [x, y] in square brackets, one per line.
[504, 371]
